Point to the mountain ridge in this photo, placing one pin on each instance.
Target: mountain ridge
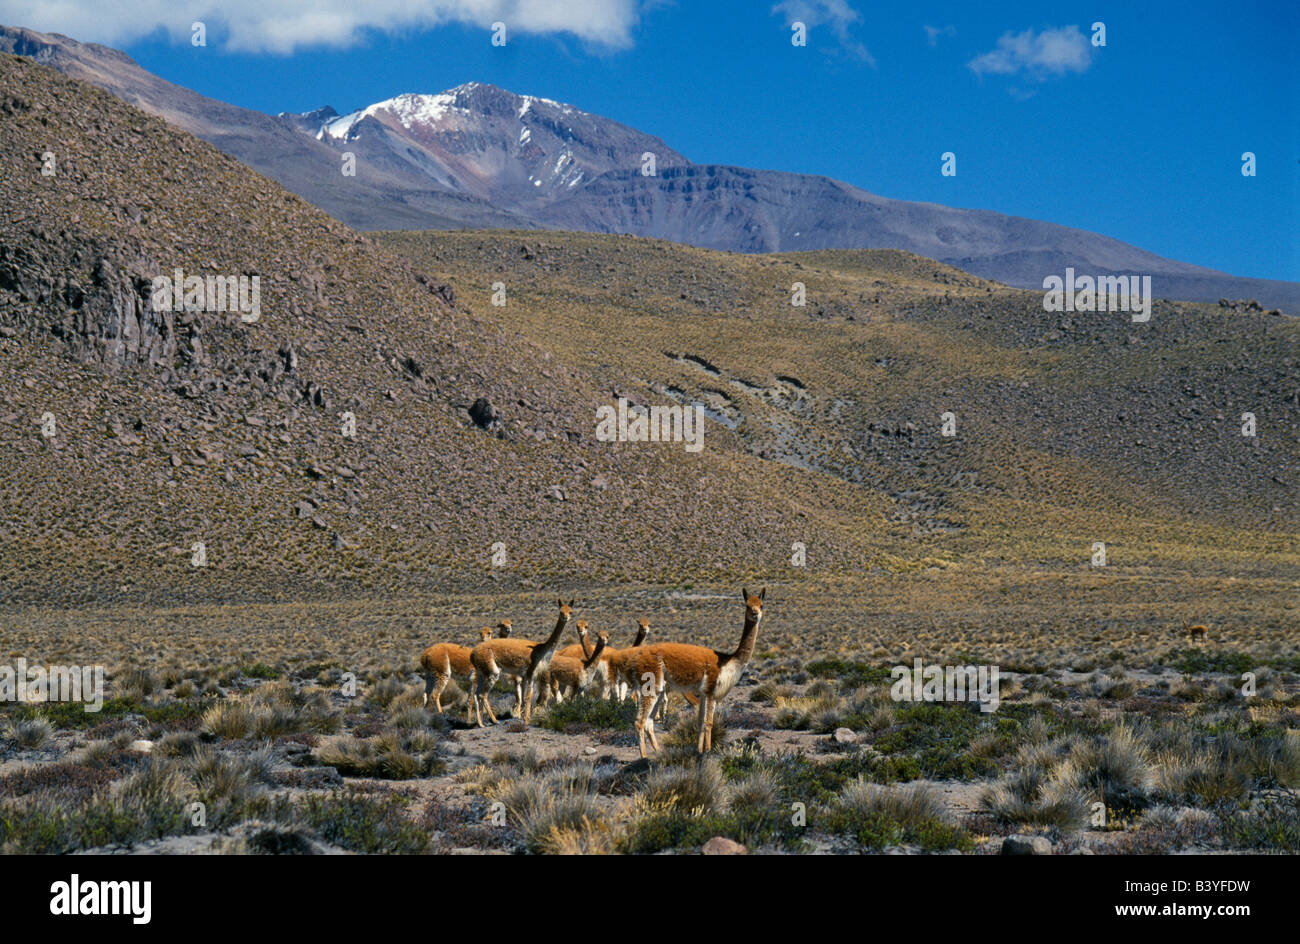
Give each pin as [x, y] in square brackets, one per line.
[565, 168]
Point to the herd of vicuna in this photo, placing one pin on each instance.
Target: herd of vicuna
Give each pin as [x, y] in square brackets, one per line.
[645, 672]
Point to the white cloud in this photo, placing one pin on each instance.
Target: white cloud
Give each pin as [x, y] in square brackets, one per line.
[1051, 53]
[932, 33]
[281, 26]
[836, 14]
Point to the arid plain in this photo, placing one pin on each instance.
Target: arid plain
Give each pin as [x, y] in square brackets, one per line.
[274, 679]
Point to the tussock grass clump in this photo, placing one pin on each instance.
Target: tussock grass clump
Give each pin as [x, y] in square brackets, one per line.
[877, 816]
[228, 783]
[768, 692]
[256, 837]
[389, 756]
[680, 745]
[177, 744]
[907, 805]
[1226, 762]
[274, 710]
[740, 793]
[556, 811]
[822, 710]
[382, 693]
[274, 721]
[136, 684]
[30, 733]
[408, 718]
[693, 787]
[1031, 797]
[229, 720]
[1114, 767]
[760, 791]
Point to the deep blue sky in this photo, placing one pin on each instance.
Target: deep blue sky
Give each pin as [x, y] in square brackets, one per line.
[1144, 145]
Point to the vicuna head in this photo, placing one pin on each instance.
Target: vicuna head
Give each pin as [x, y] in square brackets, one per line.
[485, 633]
[753, 605]
[503, 629]
[566, 609]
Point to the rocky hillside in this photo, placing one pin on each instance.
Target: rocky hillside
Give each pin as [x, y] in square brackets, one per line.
[173, 428]
[1063, 419]
[131, 435]
[479, 156]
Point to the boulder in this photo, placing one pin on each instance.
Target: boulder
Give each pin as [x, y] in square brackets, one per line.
[1026, 845]
[721, 845]
[484, 414]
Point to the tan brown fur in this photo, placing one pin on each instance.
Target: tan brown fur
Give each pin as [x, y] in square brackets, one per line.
[615, 661]
[566, 676]
[1198, 631]
[441, 661]
[582, 648]
[519, 657]
[699, 670]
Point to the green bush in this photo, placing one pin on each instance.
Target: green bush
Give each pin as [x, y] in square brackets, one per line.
[363, 823]
[592, 712]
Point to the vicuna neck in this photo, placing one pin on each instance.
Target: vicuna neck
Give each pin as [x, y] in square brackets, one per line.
[555, 635]
[747, 639]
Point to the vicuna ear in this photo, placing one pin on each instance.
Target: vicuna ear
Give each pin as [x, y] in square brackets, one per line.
[559, 602]
[572, 602]
[744, 594]
[762, 593]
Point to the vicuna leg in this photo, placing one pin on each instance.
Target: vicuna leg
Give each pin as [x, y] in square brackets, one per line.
[470, 696]
[439, 685]
[428, 687]
[481, 697]
[474, 694]
[644, 706]
[528, 700]
[708, 724]
[700, 717]
[650, 721]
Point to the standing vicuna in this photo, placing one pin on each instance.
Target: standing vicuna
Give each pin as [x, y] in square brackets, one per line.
[441, 661]
[615, 663]
[1195, 632]
[577, 652]
[516, 657]
[615, 660]
[695, 670]
[606, 670]
[568, 676]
